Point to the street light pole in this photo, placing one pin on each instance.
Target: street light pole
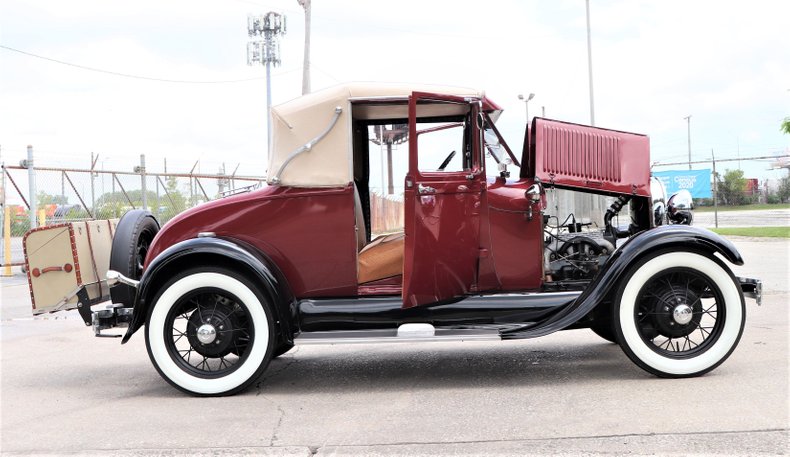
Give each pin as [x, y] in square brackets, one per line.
[688, 123]
[589, 65]
[526, 103]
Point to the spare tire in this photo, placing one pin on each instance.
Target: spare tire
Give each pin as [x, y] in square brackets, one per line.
[130, 244]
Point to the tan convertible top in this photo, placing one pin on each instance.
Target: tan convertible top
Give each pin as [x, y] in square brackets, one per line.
[300, 121]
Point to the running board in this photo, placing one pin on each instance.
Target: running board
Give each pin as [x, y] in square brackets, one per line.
[406, 333]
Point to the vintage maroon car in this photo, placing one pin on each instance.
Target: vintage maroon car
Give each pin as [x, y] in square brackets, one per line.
[468, 252]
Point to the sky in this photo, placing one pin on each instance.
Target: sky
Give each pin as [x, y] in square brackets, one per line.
[654, 62]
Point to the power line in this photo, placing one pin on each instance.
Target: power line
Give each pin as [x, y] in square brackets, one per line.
[126, 75]
[659, 164]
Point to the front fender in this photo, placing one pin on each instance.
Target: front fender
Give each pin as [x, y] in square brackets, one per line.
[681, 237]
[216, 251]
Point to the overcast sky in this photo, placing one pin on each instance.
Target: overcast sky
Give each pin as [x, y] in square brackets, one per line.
[655, 62]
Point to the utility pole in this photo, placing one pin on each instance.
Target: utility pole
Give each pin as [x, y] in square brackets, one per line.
[306, 65]
[266, 52]
[589, 65]
[688, 122]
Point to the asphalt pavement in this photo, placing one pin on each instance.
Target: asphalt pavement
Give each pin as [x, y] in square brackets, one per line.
[752, 218]
[64, 392]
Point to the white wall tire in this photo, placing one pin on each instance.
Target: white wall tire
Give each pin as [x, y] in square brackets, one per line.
[242, 340]
[702, 350]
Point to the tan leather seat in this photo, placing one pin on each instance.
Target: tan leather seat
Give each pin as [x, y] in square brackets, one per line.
[381, 258]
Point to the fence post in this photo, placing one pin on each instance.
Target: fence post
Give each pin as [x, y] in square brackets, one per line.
[6, 240]
[715, 191]
[142, 180]
[3, 217]
[158, 205]
[6, 215]
[31, 178]
[114, 202]
[93, 186]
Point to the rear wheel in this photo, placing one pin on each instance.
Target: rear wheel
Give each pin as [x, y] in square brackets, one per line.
[210, 333]
[679, 314]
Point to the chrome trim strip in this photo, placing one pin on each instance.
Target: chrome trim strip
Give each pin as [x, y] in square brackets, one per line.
[392, 336]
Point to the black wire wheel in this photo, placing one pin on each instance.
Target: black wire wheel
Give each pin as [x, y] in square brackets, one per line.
[210, 333]
[679, 314]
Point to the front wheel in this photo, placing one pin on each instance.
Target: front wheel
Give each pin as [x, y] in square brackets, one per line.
[210, 332]
[679, 314]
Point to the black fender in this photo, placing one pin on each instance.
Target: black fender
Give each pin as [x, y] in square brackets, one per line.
[681, 237]
[235, 254]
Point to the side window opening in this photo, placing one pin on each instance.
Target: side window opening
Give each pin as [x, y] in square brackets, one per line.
[388, 146]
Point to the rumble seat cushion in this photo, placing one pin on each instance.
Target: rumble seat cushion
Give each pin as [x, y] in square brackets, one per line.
[382, 258]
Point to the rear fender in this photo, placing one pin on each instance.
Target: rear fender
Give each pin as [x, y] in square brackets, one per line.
[234, 254]
[678, 237]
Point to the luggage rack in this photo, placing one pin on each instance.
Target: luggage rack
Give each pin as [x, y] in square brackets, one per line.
[114, 316]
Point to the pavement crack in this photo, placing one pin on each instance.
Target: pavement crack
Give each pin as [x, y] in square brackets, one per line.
[277, 426]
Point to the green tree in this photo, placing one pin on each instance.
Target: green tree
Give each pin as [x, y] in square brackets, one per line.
[786, 126]
[732, 187]
[784, 189]
[44, 199]
[168, 204]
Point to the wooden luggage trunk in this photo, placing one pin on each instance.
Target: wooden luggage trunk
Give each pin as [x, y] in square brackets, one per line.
[63, 259]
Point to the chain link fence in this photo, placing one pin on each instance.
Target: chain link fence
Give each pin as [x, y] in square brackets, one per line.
[69, 194]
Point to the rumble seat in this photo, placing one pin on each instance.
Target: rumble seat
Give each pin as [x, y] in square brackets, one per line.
[383, 256]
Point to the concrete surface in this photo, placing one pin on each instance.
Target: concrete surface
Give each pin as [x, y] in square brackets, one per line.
[64, 392]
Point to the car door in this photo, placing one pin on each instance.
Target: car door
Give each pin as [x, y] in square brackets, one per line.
[442, 206]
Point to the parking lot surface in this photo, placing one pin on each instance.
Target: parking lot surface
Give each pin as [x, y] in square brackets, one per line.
[65, 392]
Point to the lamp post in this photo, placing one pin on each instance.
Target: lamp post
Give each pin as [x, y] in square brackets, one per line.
[589, 65]
[526, 102]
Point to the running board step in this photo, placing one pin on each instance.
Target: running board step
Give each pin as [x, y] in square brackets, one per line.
[406, 333]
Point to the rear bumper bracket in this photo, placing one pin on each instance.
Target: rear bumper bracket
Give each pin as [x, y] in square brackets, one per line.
[752, 288]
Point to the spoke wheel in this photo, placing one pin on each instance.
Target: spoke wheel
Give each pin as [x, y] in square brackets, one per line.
[679, 314]
[210, 332]
[141, 250]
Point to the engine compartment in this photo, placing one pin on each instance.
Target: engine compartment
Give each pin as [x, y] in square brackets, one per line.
[576, 248]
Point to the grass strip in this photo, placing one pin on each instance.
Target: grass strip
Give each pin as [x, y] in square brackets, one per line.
[764, 232]
[755, 207]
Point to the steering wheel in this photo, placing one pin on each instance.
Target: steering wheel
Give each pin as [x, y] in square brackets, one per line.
[446, 161]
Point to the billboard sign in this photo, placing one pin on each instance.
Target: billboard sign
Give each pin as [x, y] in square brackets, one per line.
[695, 181]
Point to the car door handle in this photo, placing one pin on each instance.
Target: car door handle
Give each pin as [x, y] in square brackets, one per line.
[423, 190]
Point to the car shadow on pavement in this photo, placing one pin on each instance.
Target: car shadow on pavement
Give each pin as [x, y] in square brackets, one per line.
[432, 366]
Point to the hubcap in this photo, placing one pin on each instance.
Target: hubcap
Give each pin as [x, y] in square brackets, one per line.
[682, 314]
[206, 334]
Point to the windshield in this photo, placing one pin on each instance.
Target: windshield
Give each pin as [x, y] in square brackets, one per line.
[497, 151]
